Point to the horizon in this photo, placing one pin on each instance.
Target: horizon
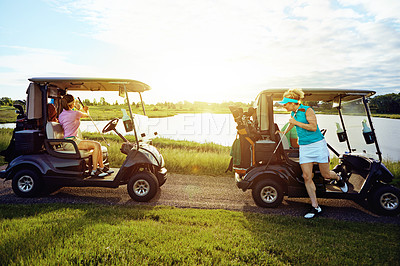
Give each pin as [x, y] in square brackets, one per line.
[209, 51]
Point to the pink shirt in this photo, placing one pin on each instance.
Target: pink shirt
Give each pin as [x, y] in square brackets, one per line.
[70, 121]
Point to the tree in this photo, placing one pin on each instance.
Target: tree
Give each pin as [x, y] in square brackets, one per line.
[386, 104]
[103, 101]
[6, 101]
[87, 102]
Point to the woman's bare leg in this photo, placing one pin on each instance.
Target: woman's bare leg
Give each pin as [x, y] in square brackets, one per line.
[97, 155]
[326, 172]
[310, 186]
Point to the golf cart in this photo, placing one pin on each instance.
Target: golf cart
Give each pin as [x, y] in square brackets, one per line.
[264, 163]
[41, 160]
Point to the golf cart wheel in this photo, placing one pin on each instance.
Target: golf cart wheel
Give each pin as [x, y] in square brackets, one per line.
[267, 193]
[26, 183]
[385, 200]
[143, 186]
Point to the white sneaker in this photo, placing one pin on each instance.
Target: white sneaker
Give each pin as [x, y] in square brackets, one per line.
[342, 184]
[313, 212]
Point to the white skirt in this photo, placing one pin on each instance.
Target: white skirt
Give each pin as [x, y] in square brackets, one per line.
[316, 152]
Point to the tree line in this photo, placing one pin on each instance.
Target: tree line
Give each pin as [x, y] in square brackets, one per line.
[380, 104]
[386, 104]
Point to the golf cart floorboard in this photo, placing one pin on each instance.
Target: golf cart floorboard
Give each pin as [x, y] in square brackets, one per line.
[107, 178]
[355, 184]
[332, 188]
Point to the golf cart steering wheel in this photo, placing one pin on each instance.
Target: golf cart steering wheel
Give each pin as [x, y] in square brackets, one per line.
[110, 125]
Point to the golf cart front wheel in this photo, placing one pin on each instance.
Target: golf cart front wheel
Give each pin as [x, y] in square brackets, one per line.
[385, 200]
[143, 186]
[267, 194]
[26, 183]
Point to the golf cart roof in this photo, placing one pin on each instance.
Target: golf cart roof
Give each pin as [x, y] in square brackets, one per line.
[323, 94]
[93, 84]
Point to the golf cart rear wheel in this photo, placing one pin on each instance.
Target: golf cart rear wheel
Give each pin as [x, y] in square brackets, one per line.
[26, 183]
[385, 200]
[142, 186]
[267, 193]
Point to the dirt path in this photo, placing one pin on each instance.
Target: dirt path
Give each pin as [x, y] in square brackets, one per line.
[190, 191]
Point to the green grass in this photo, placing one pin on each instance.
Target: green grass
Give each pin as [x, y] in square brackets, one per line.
[391, 116]
[185, 157]
[5, 137]
[7, 114]
[60, 234]
[394, 168]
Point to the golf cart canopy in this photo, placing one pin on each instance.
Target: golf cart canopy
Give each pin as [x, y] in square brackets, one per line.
[93, 84]
[326, 95]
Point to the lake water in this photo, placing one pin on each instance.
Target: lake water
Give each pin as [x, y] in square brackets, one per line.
[221, 129]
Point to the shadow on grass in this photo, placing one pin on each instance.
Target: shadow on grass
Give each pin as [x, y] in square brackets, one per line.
[341, 210]
[44, 226]
[341, 235]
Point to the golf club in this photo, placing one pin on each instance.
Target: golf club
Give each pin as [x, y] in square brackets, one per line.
[108, 144]
[279, 143]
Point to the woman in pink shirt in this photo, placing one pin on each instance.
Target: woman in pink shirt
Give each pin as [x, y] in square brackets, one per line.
[70, 121]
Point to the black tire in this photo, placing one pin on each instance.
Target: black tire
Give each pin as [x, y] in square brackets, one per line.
[161, 181]
[385, 200]
[142, 186]
[27, 183]
[267, 193]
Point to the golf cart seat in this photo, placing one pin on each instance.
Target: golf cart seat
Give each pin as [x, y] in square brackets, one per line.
[56, 145]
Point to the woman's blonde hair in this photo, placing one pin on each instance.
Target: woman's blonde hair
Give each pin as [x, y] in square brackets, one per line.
[67, 101]
[296, 94]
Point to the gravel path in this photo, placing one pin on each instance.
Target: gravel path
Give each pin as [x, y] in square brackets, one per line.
[206, 192]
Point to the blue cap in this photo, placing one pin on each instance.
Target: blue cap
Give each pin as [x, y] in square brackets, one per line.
[288, 100]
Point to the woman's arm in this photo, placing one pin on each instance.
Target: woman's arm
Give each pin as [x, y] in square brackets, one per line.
[311, 119]
[86, 111]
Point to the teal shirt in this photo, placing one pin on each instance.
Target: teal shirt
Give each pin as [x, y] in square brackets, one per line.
[306, 136]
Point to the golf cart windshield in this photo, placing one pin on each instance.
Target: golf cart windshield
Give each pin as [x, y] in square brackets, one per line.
[355, 119]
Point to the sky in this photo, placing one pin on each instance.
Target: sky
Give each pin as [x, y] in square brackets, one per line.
[208, 50]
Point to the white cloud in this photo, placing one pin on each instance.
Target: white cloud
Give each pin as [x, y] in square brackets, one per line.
[25, 62]
[195, 49]
[380, 10]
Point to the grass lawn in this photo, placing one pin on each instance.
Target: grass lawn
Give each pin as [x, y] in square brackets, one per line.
[7, 114]
[58, 234]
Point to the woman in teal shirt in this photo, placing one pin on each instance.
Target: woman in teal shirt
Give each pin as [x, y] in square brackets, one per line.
[313, 147]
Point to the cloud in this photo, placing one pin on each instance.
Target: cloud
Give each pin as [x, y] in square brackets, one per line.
[379, 10]
[22, 63]
[224, 48]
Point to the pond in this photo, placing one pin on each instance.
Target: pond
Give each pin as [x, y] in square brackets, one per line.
[221, 129]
